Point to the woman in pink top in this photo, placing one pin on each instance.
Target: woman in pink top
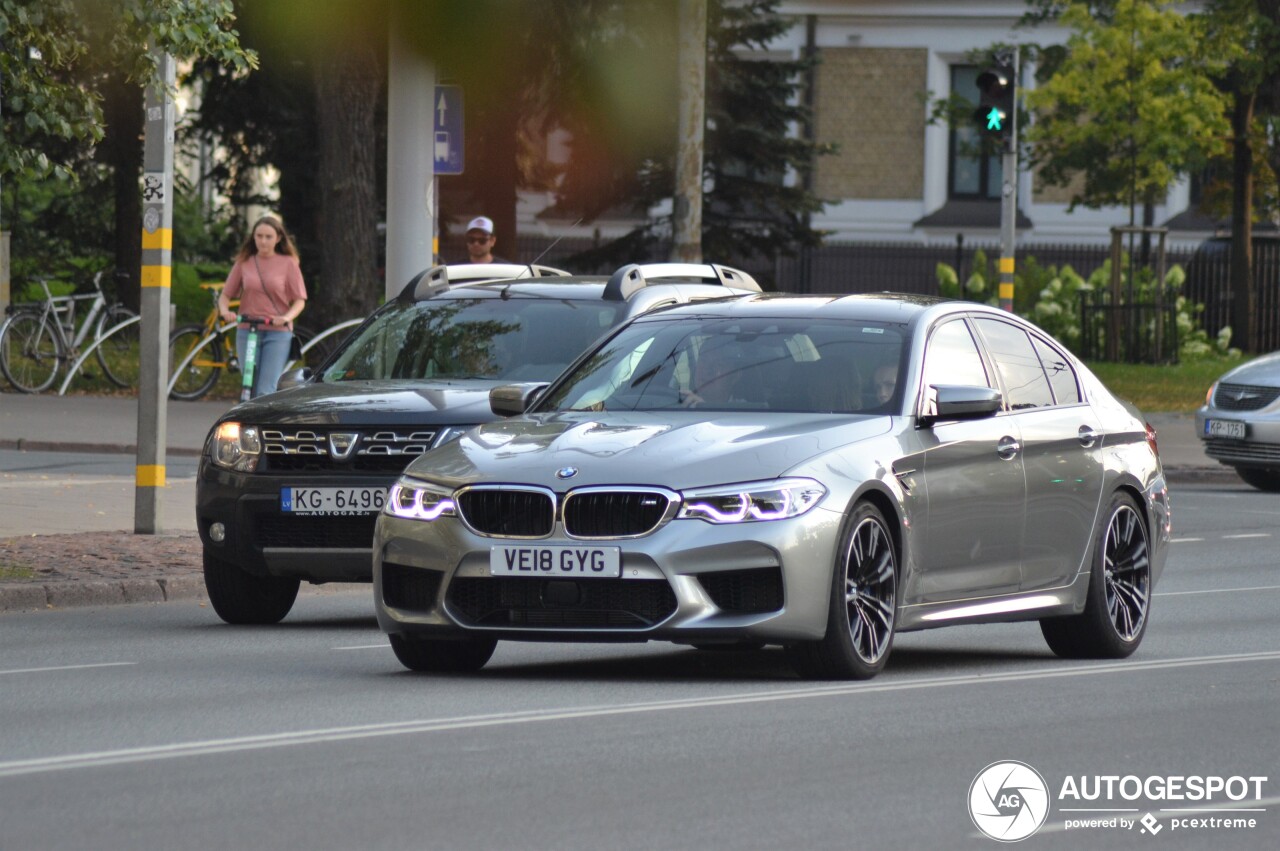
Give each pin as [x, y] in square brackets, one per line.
[268, 281]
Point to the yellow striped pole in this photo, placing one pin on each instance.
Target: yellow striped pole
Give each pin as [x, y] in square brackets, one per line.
[157, 265]
[1006, 283]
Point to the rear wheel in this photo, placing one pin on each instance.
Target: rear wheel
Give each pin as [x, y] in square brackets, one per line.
[242, 598]
[1119, 598]
[1263, 480]
[120, 355]
[28, 352]
[203, 368]
[435, 655]
[863, 607]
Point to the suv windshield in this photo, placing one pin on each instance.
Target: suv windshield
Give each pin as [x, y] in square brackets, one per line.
[512, 339]
[838, 366]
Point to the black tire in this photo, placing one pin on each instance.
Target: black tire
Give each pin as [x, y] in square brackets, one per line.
[863, 610]
[120, 355]
[200, 374]
[1118, 606]
[28, 352]
[1263, 480]
[242, 598]
[436, 656]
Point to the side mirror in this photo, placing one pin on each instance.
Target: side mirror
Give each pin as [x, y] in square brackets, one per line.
[294, 377]
[511, 400]
[963, 402]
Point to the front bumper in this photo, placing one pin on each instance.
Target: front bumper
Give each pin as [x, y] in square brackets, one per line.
[1260, 446]
[263, 540]
[688, 582]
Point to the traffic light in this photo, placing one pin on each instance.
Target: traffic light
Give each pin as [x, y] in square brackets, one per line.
[994, 115]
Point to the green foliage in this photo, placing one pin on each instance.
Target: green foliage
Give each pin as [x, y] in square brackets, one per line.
[53, 103]
[1050, 297]
[1132, 106]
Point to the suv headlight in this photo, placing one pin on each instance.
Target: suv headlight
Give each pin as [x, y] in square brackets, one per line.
[415, 500]
[751, 501]
[236, 447]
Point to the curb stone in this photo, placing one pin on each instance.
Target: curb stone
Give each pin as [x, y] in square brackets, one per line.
[16, 597]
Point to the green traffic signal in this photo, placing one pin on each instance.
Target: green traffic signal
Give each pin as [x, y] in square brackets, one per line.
[996, 87]
[995, 120]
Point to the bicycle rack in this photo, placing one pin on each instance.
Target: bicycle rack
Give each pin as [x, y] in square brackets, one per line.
[326, 333]
[93, 347]
[191, 355]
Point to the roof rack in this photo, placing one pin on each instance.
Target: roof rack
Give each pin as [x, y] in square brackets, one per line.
[632, 277]
[437, 279]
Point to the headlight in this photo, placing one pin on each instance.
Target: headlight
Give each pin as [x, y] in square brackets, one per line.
[448, 434]
[1208, 397]
[752, 501]
[236, 447]
[416, 500]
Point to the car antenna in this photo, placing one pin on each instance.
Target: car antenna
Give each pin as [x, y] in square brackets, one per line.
[554, 243]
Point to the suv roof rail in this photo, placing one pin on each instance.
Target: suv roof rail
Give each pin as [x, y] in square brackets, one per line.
[437, 279]
[632, 277]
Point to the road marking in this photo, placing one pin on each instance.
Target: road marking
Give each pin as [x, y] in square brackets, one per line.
[1184, 540]
[1249, 535]
[208, 747]
[67, 668]
[382, 646]
[1218, 591]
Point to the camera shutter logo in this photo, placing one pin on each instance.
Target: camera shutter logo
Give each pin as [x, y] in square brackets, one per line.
[1008, 801]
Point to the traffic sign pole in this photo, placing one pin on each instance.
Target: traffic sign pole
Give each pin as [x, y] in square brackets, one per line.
[1009, 196]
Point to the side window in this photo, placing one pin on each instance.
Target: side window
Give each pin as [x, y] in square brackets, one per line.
[1066, 388]
[1018, 364]
[952, 358]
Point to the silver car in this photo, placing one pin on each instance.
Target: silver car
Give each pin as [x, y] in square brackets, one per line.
[815, 472]
[1240, 421]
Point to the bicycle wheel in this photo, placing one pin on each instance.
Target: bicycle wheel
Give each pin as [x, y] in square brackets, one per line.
[315, 355]
[28, 352]
[202, 370]
[120, 355]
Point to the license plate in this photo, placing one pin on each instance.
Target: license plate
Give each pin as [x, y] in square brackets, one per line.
[1224, 428]
[569, 562]
[332, 500]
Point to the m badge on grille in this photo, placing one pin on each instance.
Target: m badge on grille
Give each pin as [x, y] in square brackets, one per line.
[342, 444]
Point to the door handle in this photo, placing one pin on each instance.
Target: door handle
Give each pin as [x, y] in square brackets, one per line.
[1008, 448]
[1087, 436]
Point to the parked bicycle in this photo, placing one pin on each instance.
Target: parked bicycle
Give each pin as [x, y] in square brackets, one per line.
[200, 351]
[37, 338]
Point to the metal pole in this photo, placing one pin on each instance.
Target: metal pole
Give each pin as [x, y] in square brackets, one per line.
[411, 211]
[157, 264]
[691, 70]
[1009, 200]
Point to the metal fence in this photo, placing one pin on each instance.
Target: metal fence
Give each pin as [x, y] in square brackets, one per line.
[1145, 332]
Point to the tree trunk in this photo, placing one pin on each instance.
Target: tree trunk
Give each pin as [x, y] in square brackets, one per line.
[1243, 300]
[121, 149]
[501, 175]
[347, 86]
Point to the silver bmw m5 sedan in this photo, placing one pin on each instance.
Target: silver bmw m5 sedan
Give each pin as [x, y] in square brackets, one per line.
[808, 471]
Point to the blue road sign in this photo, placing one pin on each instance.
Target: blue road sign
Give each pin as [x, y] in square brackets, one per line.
[446, 127]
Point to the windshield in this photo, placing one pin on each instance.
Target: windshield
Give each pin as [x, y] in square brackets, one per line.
[837, 366]
[515, 339]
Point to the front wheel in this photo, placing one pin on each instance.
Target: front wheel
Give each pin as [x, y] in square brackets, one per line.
[204, 365]
[120, 355]
[1263, 480]
[240, 597]
[863, 607]
[437, 656]
[28, 352]
[1119, 598]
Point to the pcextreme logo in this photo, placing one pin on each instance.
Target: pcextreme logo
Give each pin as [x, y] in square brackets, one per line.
[1010, 800]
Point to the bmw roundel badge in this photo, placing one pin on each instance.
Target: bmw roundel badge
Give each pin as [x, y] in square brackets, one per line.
[566, 472]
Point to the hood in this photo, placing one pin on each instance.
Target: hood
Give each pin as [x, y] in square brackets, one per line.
[679, 450]
[1264, 371]
[372, 403]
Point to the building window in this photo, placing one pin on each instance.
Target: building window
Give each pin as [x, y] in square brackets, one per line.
[975, 171]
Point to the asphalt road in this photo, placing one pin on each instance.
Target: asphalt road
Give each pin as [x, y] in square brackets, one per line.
[156, 726]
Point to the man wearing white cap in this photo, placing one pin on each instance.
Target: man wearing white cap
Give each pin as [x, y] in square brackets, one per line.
[480, 240]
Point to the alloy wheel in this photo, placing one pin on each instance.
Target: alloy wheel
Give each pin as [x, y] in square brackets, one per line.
[870, 589]
[1127, 572]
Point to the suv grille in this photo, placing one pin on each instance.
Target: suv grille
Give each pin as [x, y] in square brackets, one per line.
[1244, 397]
[508, 512]
[614, 514]
[318, 531]
[745, 591]
[382, 450]
[598, 603]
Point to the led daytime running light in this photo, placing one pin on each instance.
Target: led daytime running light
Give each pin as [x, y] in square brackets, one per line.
[416, 509]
